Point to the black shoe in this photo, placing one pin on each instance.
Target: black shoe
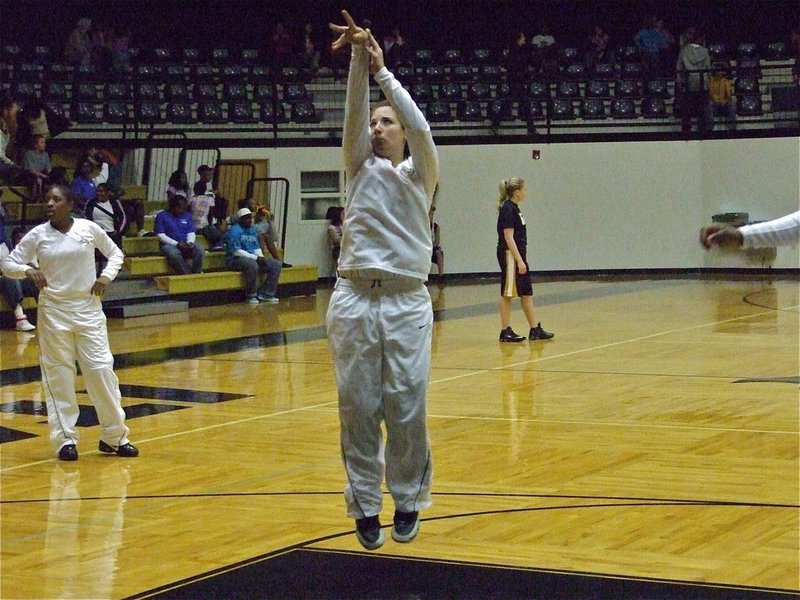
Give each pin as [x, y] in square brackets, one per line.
[68, 452]
[406, 526]
[369, 532]
[126, 450]
[537, 333]
[508, 335]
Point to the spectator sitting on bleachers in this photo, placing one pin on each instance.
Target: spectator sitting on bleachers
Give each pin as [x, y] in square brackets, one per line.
[544, 53]
[178, 184]
[176, 232]
[220, 211]
[244, 253]
[262, 221]
[78, 49]
[598, 47]
[9, 170]
[14, 290]
[107, 212]
[310, 51]
[37, 161]
[394, 47]
[282, 46]
[651, 44]
[84, 186]
[133, 207]
[201, 205]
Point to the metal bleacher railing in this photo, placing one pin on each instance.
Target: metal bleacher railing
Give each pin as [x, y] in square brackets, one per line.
[463, 94]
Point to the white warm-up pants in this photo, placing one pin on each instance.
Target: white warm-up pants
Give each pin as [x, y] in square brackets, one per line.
[70, 330]
[380, 337]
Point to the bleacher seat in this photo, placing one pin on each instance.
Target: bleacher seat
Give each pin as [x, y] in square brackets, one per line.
[748, 67]
[85, 92]
[628, 54]
[295, 92]
[178, 92]
[406, 74]
[304, 112]
[452, 56]
[289, 74]
[499, 110]
[746, 85]
[539, 90]
[58, 72]
[438, 112]
[433, 74]
[234, 92]
[180, 112]
[162, 54]
[747, 50]
[11, 53]
[654, 107]
[56, 109]
[576, 71]
[55, 91]
[42, 54]
[719, 51]
[479, 91]
[470, 110]
[220, 56]
[24, 92]
[593, 108]
[657, 88]
[749, 105]
[27, 72]
[567, 89]
[203, 74]
[461, 74]
[210, 112]
[191, 56]
[421, 92]
[148, 112]
[530, 110]
[147, 92]
[490, 73]
[175, 73]
[241, 112]
[260, 74]
[776, 50]
[204, 92]
[272, 113]
[598, 88]
[422, 57]
[84, 112]
[115, 112]
[623, 108]
[561, 109]
[232, 74]
[481, 56]
[631, 69]
[250, 56]
[626, 88]
[451, 92]
[148, 73]
[264, 92]
[117, 92]
[603, 70]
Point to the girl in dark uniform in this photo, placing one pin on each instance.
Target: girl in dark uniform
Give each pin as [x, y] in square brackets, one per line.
[515, 279]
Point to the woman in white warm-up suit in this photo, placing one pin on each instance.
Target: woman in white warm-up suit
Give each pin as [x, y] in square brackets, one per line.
[379, 318]
[71, 322]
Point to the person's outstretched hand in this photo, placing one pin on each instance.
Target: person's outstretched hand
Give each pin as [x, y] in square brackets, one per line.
[720, 235]
[374, 48]
[348, 34]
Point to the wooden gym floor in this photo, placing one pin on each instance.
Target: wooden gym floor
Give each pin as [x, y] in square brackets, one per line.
[649, 451]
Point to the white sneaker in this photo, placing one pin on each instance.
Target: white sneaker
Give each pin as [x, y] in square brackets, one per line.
[24, 325]
[268, 299]
[252, 300]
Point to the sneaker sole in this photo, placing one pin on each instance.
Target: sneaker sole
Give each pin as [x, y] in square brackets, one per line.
[372, 545]
[404, 539]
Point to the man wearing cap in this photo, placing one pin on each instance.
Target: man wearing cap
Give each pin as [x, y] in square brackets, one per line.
[243, 253]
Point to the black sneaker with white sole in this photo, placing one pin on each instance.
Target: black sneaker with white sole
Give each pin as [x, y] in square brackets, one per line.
[369, 532]
[406, 526]
[508, 335]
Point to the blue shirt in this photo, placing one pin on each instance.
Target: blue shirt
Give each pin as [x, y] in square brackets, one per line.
[175, 227]
[239, 238]
[84, 190]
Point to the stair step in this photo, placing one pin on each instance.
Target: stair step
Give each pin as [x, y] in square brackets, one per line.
[144, 309]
